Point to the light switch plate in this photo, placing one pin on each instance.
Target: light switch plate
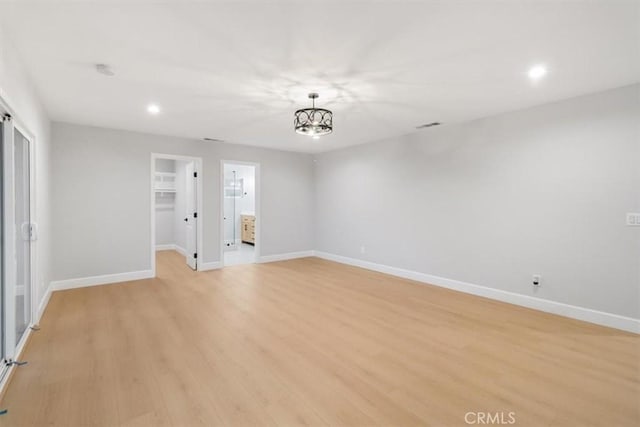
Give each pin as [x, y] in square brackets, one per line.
[633, 219]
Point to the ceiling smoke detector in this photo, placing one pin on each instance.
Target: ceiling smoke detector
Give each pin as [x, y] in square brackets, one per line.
[105, 69]
[428, 125]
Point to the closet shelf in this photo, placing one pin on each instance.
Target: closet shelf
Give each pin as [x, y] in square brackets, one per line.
[165, 182]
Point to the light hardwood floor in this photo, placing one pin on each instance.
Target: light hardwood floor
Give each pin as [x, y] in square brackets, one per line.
[311, 342]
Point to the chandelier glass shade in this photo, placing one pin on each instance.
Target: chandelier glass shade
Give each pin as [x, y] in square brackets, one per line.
[313, 121]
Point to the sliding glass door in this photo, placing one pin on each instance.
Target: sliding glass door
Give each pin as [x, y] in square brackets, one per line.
[16, 234]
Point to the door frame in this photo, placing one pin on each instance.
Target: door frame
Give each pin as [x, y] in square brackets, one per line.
[198, 165]
[14, 350]
[258, 224]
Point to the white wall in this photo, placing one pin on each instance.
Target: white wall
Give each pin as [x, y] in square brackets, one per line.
[247, 201]
[165, 165]
[18, 92]
[101, 198]
[493, 201]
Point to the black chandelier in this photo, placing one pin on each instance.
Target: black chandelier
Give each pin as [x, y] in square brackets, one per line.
[313, 121]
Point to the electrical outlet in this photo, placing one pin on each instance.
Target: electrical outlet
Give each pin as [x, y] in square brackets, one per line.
[633, 219]
[537, 280]
[362, 249]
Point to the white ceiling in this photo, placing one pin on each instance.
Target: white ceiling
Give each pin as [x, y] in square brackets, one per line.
[237, 70]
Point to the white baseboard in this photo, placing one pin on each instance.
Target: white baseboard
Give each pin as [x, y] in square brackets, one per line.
[284, 257]
[206, 266]
[166, 247]
[586, 314]
[82, 282]
[172, 247]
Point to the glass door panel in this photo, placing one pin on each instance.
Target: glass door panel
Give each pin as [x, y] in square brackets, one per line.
[22, 223]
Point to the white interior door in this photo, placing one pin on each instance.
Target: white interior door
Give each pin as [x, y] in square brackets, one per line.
[191, 218]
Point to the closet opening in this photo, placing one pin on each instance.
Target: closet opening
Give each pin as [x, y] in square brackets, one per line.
[176, 207]
[240, 190]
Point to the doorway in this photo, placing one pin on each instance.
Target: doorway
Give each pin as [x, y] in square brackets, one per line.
[240, 189]
[176, 207]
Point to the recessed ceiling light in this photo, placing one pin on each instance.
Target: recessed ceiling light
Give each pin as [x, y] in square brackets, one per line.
[153, 109]
[537, 72]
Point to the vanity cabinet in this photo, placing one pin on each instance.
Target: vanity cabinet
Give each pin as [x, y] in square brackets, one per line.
[248, 224]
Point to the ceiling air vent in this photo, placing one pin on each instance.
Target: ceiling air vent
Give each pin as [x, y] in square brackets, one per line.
[428, 125]
[212, 139]
[105, 69]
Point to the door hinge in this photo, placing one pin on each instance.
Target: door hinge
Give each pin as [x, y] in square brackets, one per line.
[195, 174]
[6, 117]
[195, 256]
[195, 214]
